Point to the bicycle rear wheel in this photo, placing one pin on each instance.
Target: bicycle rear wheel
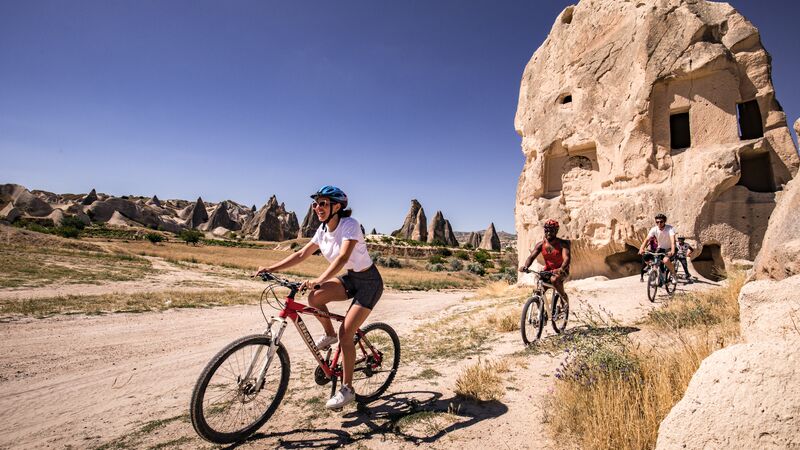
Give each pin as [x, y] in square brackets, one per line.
[372, 377]
[226, 405]
[559, 316]
[532, 319]
[652, 284]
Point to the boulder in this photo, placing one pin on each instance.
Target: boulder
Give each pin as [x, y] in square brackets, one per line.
[46, 196]
[103, 210]
[220, 218]
[30, 205]
[8, 192]
[90, 198]
[490, 240]
[272, 223]
[770, 310]
[743, 396]
[633, 108]
[9, 213]
[119, 220]
[310, 224]
[414, 225]
[57, 217]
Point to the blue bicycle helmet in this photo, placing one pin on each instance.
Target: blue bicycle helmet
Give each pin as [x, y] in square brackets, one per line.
[335, 194]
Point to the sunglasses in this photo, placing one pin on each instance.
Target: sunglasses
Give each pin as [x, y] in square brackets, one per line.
[660, 221]
[320, 204]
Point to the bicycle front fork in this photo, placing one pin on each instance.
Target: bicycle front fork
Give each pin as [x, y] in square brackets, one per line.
[275, 338]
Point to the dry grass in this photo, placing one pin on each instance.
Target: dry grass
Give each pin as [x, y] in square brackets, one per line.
[482, 381]
[505, 320]
[614, 393]
[30, 259]
[251, 258]
[121, 302]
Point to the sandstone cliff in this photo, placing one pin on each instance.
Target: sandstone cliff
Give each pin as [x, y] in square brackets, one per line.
[633, 108]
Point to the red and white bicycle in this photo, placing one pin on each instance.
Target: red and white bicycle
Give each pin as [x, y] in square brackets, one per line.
[243, 385]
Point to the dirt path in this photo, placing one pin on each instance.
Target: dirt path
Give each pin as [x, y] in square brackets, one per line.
[126, 379]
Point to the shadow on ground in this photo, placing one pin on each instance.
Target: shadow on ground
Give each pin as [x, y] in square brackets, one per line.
[385, 418]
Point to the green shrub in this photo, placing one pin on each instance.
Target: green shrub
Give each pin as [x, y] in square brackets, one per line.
[488, 264]
[436, 259]
[389, 261]
[375, 256]
[74, 222]
[67, 232]
[435, 267]
[468, 246]
[456, 265]
[155, 238]
[444, 251]
[476, 268]
[461, 254]
[191, 236]
[481, 256]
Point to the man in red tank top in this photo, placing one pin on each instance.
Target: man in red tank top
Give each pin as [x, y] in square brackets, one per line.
[556, 254]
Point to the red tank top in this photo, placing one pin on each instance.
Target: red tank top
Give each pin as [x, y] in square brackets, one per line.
[554, 258]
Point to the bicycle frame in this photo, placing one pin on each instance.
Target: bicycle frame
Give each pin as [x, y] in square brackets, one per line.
[291, 312]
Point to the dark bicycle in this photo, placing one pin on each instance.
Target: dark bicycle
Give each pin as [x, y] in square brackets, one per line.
[539, 306]
[658, 275]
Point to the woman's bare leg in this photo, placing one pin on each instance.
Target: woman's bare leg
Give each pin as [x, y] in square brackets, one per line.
[355, 317]
[330, 291]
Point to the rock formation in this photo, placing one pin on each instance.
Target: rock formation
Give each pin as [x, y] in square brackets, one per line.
[154, 201]
[197, 214]
[745, 395]
[436, 230]
[490, 240]
[27, 203]
[474, 240]
[633, 108]
[220, 218]
[310, 224]
[9, 213]
[449, 237]
[90, 198]
[272, 223]
[414, 226]
[374, 231]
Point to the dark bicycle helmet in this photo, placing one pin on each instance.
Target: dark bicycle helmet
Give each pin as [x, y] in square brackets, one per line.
[333, 193]
[551, 224]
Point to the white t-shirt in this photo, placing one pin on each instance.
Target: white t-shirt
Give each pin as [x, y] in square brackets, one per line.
[331, 244]
[663, 236]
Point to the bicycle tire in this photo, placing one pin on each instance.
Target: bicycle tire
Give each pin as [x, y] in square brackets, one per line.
[652, 285]
[363, 360]
[198, 410]
[559, 321]
[670, 283]
[532, 321]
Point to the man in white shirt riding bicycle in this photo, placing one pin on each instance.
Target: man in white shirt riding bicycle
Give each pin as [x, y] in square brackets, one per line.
[665, 237]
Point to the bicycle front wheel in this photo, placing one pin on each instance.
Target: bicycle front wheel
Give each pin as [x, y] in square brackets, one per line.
[532, 320]
[228, 404]
[377, 360]
[560, 314]
[670, 283]
[652, 285]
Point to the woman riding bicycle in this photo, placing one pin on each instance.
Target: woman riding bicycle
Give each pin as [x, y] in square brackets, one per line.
[556, 254]
[341, 241]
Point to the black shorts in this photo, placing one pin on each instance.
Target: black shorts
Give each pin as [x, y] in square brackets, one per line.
[365, 288]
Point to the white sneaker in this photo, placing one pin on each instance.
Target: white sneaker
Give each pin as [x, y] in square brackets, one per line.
[325, 341]
[344, 397]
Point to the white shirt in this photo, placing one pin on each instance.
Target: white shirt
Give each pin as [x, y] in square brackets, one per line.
[663, 236]
[330, 244]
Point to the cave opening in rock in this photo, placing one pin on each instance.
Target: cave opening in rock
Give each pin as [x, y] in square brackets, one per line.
[625, 263]
[750, 126]
[709, 263]
[566, 99]
[757, 173]
[679, 131]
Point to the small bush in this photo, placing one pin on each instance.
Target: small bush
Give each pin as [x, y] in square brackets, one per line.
[436, 259]
[468, 246]
[67, 232]
[481, 256]
[391, 262]
[488, 264]
[456, 265]
[444, 251]
[435, 267]
[191, 236]
[74, 222]
[375, 255]
[461, 254]
[476, 268]
[482, 381]
[155, 238]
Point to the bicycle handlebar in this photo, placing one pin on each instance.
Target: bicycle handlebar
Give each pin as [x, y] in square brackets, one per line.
[266, 276]
[540, 272]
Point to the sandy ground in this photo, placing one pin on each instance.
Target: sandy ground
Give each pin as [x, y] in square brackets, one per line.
[126, 379]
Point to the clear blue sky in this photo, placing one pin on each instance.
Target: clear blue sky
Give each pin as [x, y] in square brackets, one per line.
[391, 100]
